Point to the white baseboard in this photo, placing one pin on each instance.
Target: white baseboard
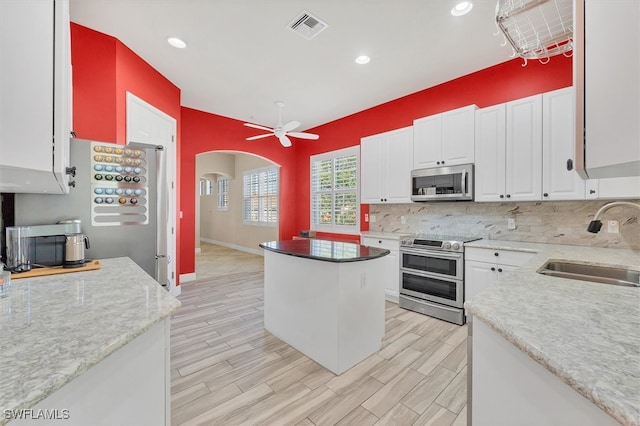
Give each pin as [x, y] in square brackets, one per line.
[185, 278]
[257, 251]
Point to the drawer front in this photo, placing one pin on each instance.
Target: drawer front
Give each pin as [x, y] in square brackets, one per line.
[503, 257]
[393, 245]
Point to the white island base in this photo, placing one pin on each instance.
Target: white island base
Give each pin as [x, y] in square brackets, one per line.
[333, 312]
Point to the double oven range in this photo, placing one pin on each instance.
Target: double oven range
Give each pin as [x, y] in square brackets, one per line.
[432, 275]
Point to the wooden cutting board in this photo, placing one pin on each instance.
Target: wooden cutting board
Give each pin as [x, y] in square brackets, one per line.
[40, 272]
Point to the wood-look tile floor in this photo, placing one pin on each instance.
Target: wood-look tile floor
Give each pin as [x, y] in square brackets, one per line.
[227, 370]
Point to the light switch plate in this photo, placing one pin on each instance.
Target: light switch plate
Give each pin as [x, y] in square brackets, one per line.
[403, 220]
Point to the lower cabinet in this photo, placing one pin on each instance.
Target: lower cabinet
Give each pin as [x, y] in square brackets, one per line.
[510, 388]
[482, 267]
[392, 269]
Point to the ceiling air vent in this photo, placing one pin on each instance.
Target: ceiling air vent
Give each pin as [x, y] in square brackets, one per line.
[307, 25]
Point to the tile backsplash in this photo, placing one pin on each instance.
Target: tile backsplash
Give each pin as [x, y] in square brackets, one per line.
[562, 222]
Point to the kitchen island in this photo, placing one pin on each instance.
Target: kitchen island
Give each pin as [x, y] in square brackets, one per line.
[551, 350]
[86, 348]
[325, 298]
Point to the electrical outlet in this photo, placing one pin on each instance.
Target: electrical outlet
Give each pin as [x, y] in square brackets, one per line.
[366, 217]
[372, 218]
[613, 227]
[511, 224]
[403, 220]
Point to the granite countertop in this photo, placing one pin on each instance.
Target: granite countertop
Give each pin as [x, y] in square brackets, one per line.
[325, 250]
[56, 327]
[587, 334]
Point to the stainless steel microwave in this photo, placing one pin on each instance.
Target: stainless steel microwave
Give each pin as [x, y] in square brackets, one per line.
[451, 183]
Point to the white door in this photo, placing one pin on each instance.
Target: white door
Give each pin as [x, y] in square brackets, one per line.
[490, 153]
[560, 181]
[524, 149]
[147, 124]
[477, 277]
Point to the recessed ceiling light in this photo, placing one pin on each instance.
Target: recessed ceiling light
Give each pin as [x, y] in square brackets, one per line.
[462, 8]
[363, 59]
[176, 42]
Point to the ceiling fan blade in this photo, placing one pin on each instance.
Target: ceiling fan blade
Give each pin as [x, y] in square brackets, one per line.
[303, 135]
[290, 125]
[256, 126]
[252, 138]
[284, 141]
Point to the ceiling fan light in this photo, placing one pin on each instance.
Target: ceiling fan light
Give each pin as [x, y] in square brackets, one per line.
[462, 8]
[176, 42]
[363, 59]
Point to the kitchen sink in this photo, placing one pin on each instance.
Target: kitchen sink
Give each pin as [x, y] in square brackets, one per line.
[594, 273]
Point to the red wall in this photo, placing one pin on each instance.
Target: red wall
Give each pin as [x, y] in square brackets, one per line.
[104, 70]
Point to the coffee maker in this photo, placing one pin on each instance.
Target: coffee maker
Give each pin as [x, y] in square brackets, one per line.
[44, 246]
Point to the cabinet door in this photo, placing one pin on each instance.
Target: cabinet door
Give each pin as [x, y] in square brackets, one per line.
[559, 180]
[477, 277]
[398, 154]
[427, 142]
[524, 149]
[614, 188]
[26, 85]
[612, 88]
[490, 153]
[458, 136]
[371, 165]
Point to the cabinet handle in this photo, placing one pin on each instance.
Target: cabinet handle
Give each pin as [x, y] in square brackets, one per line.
[545, 195]
[592, 191]
[501, 195]
[381, 200]
[569, 164]
[442, 161]
[385, 200]
[508, 195]
[437, 162]
[499, 269]
[496, 254]
[379, 241]
[493, 269]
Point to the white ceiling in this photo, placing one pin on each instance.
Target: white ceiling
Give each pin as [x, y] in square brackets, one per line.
[241, 57]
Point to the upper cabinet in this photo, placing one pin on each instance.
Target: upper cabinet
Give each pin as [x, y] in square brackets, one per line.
[509, 151]
[607, 79]
[35, 106]
[445, 139]
[560, 181]
[385, 167]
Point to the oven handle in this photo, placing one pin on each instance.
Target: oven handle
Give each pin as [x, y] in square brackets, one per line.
[432, 253]
[464, 181]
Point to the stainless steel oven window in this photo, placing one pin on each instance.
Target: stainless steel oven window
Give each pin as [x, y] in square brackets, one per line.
[441, 263]
[427, 287]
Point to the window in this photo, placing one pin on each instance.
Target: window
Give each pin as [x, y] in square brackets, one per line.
[334, 191]
[223, 193]
[260, 197]
[206, 187]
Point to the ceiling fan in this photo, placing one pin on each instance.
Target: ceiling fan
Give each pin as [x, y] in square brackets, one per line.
[281, 131]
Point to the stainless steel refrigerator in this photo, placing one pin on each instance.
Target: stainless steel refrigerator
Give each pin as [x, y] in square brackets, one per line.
[120, 196]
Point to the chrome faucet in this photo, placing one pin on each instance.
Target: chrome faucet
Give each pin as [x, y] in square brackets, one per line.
[595, 224]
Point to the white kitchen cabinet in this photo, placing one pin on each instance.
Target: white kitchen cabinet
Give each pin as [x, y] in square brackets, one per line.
[392, 266]
[509, 388]
[607, 78]
[35, 106]
[445, 139]
[560, 180]
[385, 167]
[613, 188]
[509, 151]
[483, 267]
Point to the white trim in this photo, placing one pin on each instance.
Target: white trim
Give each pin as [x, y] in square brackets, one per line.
[185, 278]
[198, 250]
[258, 251]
